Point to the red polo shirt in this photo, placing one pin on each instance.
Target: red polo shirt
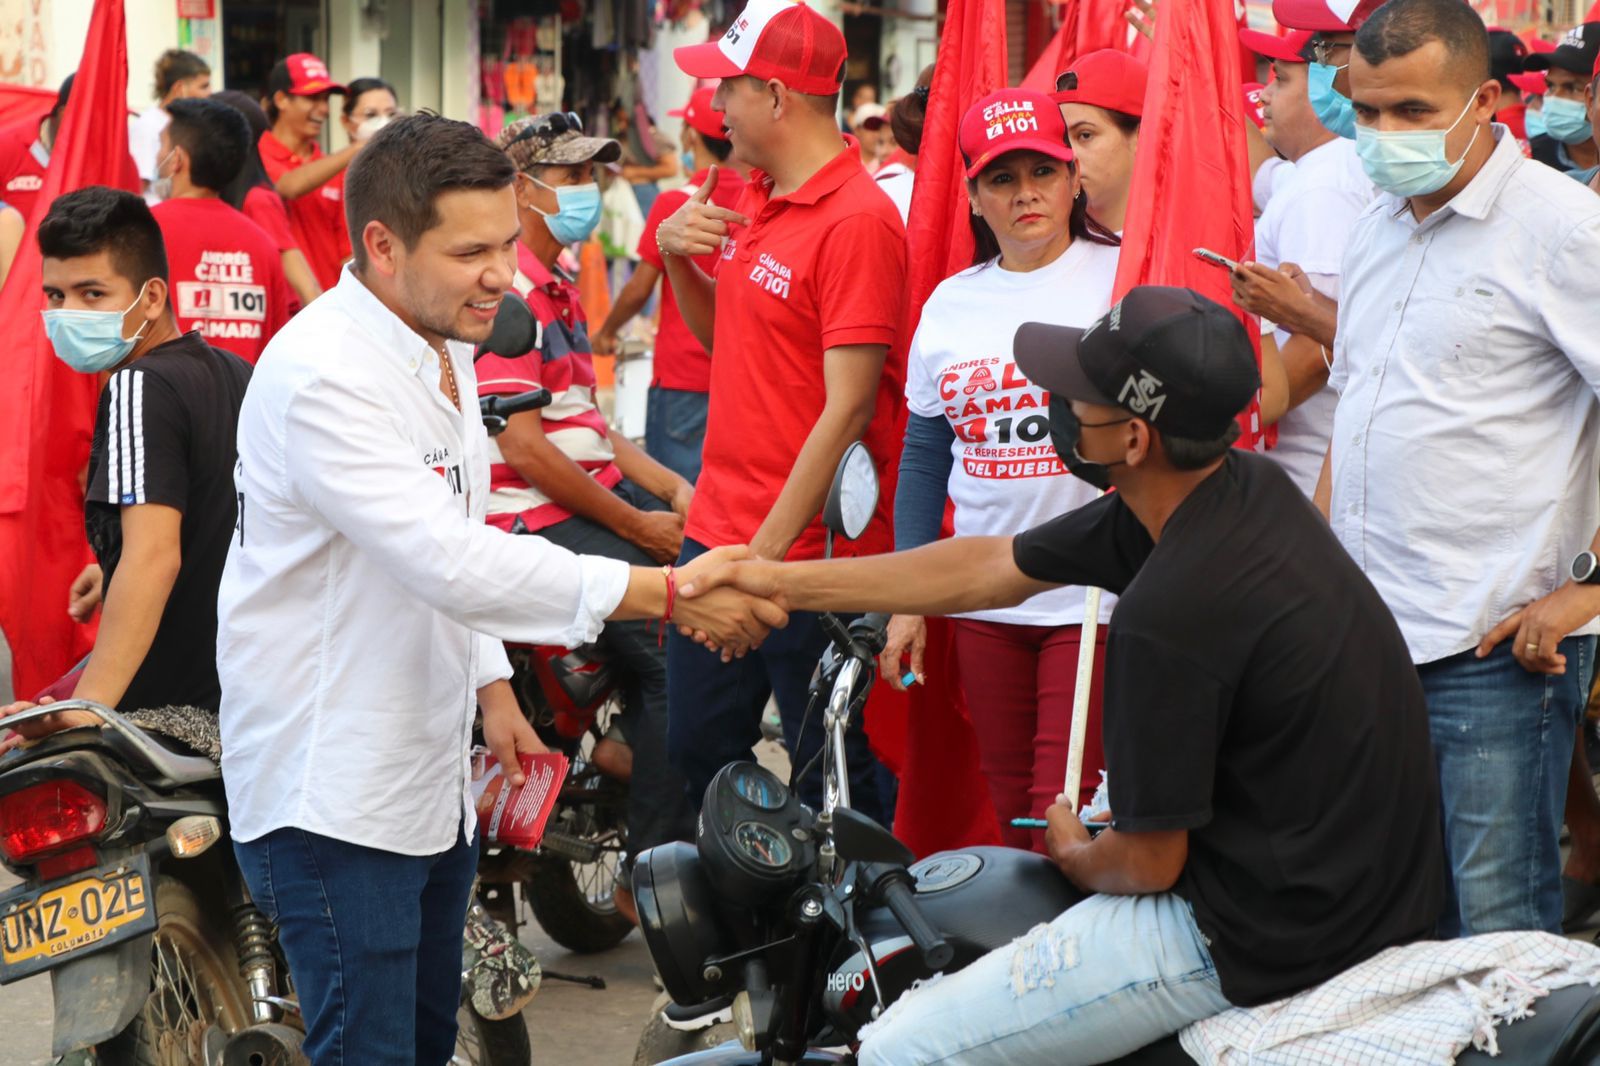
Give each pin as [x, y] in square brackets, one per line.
[680, 362]
[821, 268]
[317, 218]
[564, 364]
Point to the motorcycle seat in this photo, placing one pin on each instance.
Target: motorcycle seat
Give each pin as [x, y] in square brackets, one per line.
[1564, 1031]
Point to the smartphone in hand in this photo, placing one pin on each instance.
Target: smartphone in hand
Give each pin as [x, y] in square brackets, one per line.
[1216, 259]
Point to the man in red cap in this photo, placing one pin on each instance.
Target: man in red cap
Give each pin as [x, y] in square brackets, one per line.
[1333, 25]
[801, 317]
[1304, 225]
[310, 182]
[680, 386]
[1102, 101]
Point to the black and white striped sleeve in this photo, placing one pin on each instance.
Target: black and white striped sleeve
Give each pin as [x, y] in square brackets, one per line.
[146, 457]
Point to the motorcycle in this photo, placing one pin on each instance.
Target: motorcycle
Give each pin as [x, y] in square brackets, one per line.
[132, 901]
[570, 695]
[814, 922]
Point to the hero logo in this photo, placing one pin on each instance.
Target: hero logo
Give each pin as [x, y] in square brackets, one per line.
[1141, 394]
[844, 981]
[772, 276]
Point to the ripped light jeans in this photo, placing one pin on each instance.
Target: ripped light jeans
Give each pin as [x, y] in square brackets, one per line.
[1108, 976]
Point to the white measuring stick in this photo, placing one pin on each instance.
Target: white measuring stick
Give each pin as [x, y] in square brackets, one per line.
[1080, 699]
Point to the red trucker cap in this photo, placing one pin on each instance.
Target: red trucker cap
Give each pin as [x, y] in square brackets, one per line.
[1290, 48]
[701, 116]
[773, 39]
[1010, 120]
[1107, 78]
[1324, 16]
[308, 76]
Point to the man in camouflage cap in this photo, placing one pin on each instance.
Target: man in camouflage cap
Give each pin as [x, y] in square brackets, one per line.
[564, 474]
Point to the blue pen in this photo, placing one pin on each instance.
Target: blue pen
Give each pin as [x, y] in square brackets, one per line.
[1029, 823]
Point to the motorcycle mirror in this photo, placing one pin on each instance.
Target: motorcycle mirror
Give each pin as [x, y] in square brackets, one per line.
[515, 332]
[853, 496]
[859, 839]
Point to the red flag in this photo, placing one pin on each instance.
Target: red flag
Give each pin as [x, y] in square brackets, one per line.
[46, 410]
[1086, 26]
[944, 800]
[22, 103]
[1594, 13]
[1191, 177]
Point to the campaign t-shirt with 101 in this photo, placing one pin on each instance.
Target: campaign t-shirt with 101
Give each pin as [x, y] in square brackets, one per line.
[226, 275]
[823, 267]
[563, 363]
[317, 218]
[1006, 476]
[680, 361]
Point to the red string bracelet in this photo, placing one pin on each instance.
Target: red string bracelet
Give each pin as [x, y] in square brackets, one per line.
[672, 601]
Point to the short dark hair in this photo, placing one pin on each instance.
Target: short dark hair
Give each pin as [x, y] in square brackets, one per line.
[176, 65]
[1400, 27]
[251, 173]
[719, 147]
[356, 89]
[98, 218]
[1187, 453]
[399, 175]
[216, 136]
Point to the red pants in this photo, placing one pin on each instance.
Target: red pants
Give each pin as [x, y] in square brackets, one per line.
[1018, 682]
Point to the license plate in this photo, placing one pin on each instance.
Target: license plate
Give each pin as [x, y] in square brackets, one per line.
[40, 927]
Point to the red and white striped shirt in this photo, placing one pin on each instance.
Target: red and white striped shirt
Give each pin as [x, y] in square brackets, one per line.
[563, 362]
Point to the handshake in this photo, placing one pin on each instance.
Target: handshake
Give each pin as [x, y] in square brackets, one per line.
[729, 601]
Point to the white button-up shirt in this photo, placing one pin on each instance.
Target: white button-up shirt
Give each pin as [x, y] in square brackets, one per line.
[361, 580]
[1467, 361]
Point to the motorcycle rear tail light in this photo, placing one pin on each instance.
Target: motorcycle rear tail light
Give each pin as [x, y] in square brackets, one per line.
[55, 867]
[48, 817]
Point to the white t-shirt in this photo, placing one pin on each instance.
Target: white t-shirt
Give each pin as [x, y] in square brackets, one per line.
[1308, 222]
[144, 143]
[896, 179]
[1006, 477]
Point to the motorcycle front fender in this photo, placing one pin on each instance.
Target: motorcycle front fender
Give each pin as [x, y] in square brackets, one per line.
[98, 995]
[733, 1054]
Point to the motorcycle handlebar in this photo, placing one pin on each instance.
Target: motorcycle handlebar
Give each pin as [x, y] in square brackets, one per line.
[871, 630]
[935, 949]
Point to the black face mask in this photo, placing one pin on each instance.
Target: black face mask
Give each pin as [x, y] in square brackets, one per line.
[1065, 430]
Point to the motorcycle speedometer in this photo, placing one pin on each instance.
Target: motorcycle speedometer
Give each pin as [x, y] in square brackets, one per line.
[752, 836]
[757, 785]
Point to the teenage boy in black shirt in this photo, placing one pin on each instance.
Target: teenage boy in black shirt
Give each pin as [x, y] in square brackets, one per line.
[159, 509]
[1276, 814]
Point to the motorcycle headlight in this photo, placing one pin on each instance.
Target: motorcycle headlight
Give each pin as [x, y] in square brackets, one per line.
[678, 913]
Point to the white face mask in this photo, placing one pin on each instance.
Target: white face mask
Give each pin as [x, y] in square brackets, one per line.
[1411, 162]
[161, 188]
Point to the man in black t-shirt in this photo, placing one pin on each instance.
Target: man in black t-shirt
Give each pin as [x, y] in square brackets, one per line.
[159, 509]
[1275, 808]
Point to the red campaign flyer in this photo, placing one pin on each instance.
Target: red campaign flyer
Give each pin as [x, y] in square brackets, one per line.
[516, 816]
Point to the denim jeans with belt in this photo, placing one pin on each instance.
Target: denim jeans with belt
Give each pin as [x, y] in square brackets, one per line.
[1502, 738]
[373, 941]
[1106, 977]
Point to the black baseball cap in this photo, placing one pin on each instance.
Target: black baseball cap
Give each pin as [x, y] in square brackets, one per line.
[1170, 356]
[1575, 52]
[1507, 54]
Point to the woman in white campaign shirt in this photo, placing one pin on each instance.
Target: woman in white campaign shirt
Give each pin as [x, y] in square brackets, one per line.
[979, 432]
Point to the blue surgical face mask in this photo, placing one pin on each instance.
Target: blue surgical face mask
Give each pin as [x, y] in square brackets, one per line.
[1411, 162]
[1334, 109]
[1567, 120]
[1533, 122]
[91, 341]
[687, 159]
[577, 214]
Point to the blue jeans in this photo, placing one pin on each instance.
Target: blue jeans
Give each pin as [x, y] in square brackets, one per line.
[714, 711]
[675, 429]
[1108, 976]
[1502, 738]
[373, 941]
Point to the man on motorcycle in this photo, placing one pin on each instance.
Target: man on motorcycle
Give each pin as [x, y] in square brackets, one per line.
[364, 601]
[1276, 813]
[159, 508]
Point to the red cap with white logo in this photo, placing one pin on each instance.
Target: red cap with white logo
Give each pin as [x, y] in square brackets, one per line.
[308, 76]
[701, 117]
[1324, 16]
[1012, 120]
[773, 40]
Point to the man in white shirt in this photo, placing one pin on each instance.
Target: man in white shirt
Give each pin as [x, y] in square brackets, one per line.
[363, 602]
[1306, 224]
[1463, 462]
